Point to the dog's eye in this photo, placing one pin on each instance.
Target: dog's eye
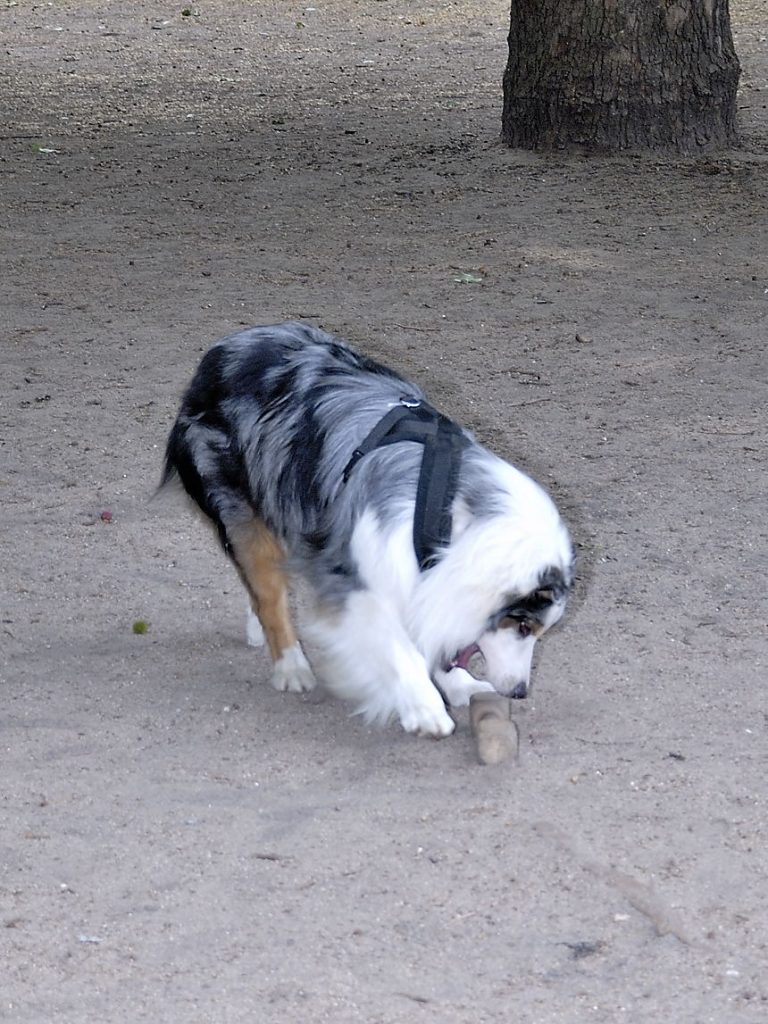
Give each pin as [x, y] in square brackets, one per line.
[510, 622]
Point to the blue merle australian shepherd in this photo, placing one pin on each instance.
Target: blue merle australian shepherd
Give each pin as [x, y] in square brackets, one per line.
[421, 548]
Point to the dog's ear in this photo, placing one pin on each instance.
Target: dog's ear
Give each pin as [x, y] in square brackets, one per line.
[553, 585]
[534, 605]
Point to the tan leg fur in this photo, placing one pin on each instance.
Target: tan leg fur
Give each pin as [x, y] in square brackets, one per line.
[260, 557]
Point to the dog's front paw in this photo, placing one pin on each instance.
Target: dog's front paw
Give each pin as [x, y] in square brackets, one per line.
[458, 685]
[428, 720]
[292, 672]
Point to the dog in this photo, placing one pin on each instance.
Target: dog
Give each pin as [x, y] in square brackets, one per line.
[421, 548]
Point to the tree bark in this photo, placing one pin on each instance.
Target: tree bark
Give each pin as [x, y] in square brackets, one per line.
[620, 74]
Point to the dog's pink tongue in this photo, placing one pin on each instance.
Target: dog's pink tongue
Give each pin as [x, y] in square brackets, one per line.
[462, 658]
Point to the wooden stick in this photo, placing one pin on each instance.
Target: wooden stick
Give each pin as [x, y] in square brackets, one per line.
[496, 736]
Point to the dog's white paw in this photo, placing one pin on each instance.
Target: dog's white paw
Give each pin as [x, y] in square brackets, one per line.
[458, 685]
[428, 720]
[292, 672]
[254, 634]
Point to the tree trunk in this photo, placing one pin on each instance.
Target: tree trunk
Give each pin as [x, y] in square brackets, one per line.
[620, 74]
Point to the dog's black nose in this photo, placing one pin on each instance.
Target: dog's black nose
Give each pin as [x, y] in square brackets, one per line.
[519, 692]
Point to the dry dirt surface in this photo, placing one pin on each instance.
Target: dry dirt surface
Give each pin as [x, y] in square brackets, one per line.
[179, 842]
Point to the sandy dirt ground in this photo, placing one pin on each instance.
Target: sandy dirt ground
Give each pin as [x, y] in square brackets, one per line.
[179, 842]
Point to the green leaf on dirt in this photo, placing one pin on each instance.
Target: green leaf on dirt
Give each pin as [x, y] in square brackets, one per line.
[140, 627]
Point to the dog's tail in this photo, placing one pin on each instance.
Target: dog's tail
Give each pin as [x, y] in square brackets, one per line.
[170, 478]
[170, 474]
[182, 470]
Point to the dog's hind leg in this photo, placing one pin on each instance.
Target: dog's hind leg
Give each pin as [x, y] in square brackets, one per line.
[254, 634]
[259, 557]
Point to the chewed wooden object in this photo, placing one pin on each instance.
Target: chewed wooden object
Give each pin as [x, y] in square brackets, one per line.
[497, 737]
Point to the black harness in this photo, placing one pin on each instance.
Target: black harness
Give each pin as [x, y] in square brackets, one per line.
[443, 442]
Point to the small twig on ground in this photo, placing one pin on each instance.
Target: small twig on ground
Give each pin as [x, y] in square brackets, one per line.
[421, 330]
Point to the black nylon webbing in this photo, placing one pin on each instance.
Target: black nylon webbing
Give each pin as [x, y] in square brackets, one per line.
[442, 442]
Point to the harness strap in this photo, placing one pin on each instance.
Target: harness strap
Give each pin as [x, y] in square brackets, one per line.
[442, 441]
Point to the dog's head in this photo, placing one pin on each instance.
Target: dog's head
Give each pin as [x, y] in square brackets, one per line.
[509, 572]
[511, 632]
